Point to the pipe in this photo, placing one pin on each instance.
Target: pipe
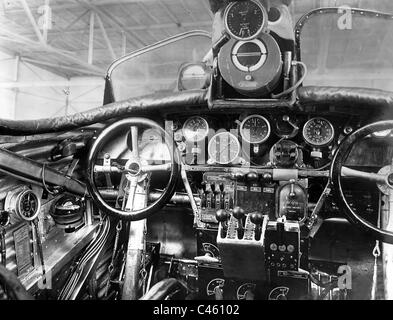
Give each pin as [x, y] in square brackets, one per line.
[30, 170]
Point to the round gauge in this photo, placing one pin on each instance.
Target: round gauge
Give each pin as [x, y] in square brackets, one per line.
[286, 127]
[245, 20]
[195, 129]
[24, 203]
[211, 250]
[249, 56]
[318, 132]
[255, 129]
[193, 76]
[224, 148]
[244, 289]
[213, 284]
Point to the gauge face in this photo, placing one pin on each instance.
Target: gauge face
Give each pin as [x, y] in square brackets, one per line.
[28, 206]
[255, 129]
[318, 132]
[249, 56]
[213, 284]
[224, 148]
[195, 129]
[245, 20]
[243, 290]
[193, 76]
[211, 250]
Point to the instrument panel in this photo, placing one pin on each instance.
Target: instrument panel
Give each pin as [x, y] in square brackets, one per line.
[258, 139]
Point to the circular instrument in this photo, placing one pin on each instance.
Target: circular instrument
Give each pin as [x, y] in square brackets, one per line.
[213, 284]
[193, 76]
[251, 67]
[318, 132]
[249, 56]
[24, 203]
[67, 212]
[224, 148]
[245, 20]
[286, 127]
[195, 129]
[211, 250]
[244, 289]
[255, 129]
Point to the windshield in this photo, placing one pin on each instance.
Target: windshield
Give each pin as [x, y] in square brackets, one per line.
[156, 68]
[34, 87]
[348, 48]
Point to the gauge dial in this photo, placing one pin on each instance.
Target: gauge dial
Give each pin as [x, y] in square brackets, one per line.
[286, 127]
[318, 132]
[224, 148]
[245, 20]
[213, 284]
[211, 250]
[244, 289]
[255, 129]
[195, 129]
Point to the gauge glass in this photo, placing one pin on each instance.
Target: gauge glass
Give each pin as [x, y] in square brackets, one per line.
[195, 129]
[255, 129]
[318, 132]
[193, 76]
[224, 148]
[245, 20]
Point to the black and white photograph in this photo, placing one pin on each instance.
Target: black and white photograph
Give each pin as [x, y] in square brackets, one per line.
[196, 155]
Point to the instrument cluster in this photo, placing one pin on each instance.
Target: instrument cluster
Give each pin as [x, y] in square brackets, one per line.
[256, 139]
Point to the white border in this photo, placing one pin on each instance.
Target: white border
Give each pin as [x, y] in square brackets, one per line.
[260, 117]
[263, 26]
[205, 134]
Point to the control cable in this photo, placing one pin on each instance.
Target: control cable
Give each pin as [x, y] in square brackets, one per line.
[297, 84]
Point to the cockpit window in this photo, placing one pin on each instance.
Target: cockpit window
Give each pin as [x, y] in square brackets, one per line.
[156, 68]
[348, 48]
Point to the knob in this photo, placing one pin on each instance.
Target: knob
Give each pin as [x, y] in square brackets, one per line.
[256, 218]
[238, 175]
[252, 176]
[238, 213]
[267, 177]
[222, 215]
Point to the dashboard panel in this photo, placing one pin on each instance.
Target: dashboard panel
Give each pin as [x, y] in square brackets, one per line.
[256, 139]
